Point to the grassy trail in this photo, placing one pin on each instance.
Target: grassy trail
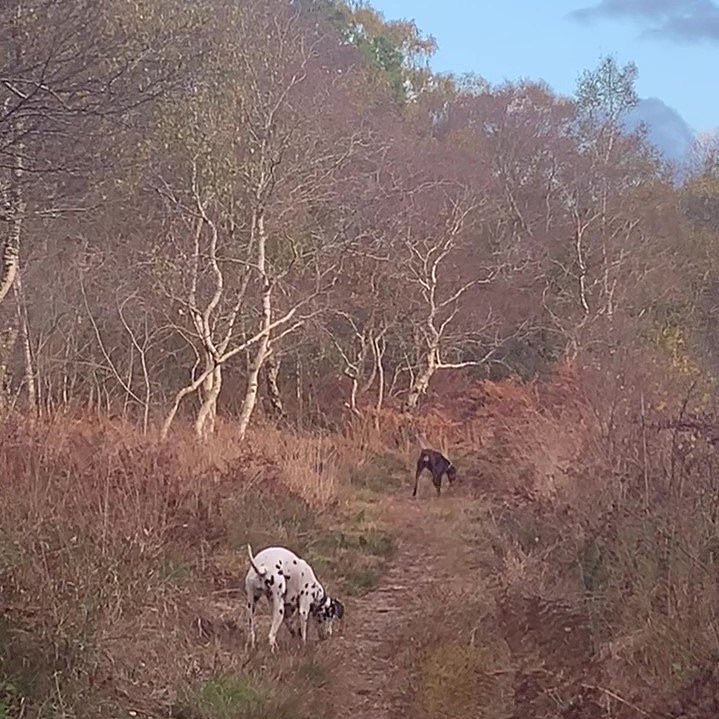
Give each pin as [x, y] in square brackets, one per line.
[372, 679]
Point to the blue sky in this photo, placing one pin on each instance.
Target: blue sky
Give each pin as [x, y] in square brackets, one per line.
[675, 43]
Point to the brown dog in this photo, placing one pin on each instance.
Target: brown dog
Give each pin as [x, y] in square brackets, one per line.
[438, 465]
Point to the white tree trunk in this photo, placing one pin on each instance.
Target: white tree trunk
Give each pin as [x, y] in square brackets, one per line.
[7, 344]
[30, 374]
[16, 210]
[205, 422]
[250, 400]
[421, 383]
[273, 389]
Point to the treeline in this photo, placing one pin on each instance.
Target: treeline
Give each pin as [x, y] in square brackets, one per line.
[275, 203]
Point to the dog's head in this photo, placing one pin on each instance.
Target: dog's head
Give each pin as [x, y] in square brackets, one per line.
[451, 473]
[325, 611]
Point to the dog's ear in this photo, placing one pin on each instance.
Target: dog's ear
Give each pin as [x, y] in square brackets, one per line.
[338, 607]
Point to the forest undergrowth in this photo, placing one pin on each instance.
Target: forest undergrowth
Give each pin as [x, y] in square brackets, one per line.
[571, 572]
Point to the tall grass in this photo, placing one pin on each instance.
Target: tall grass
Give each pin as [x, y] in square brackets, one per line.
[121, 562]
[599, 531]
[310, 465]
[594, 535]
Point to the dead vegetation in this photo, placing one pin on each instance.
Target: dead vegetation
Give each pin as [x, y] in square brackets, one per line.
[254, 254]
[595, 555]
[122, 559]
[579, 559]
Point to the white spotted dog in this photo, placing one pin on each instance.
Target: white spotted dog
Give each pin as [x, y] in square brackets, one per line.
[290, 585]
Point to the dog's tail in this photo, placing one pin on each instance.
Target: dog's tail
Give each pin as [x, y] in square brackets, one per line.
[261, 572]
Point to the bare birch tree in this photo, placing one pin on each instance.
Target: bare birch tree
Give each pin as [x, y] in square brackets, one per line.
[264, 167]
[439, 297]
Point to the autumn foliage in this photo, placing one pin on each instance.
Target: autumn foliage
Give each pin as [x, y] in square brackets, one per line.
[252, 256]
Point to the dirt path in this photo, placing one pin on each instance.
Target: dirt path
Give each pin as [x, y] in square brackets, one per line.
[370, 682]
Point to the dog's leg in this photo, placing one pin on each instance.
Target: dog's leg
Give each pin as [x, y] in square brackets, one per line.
[251, 604]
[278, 585]
[278, 611]
[437, 481]
[304, 616]
[420, 467]
[290, 629]
[289, 620]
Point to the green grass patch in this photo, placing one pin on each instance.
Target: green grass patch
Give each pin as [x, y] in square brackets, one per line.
[354, 554]
[269, 520]
[27, 663]
[360, 581]
[174, 571]
[9, 700]
[458, 680]
[381, 472]
[314, 673]
[374, 542]
[231, 697]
